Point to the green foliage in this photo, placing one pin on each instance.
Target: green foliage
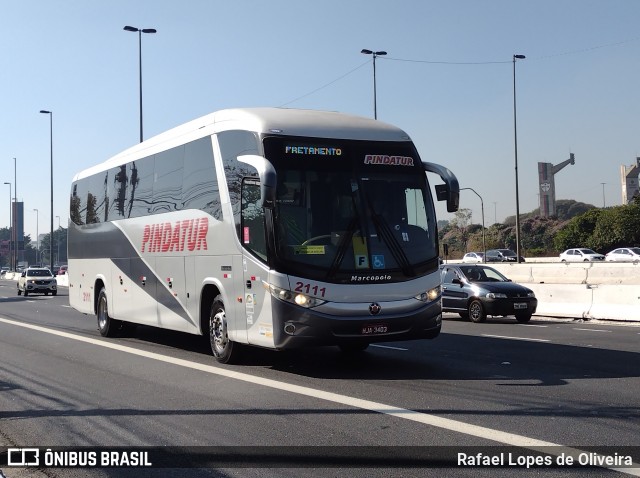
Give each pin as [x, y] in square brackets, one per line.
[577, 225]
[617, 227]
[578, 231]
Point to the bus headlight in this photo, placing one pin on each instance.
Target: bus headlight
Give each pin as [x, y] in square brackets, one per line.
[430, 295]
[295, 298]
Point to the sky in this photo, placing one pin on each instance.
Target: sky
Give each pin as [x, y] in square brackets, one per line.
[447, 80]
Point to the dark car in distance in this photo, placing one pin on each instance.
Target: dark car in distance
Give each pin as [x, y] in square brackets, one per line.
[475, 291]
[502, 255]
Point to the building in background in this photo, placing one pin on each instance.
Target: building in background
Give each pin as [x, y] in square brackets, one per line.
[629, 180]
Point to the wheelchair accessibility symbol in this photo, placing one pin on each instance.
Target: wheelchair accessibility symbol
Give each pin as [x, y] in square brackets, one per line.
[378, 261]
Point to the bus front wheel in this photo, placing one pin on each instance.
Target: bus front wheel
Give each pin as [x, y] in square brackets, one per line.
[224, 350]
[107, 326]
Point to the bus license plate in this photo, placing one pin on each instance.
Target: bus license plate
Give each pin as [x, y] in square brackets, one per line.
[520, 305]
[374, 329]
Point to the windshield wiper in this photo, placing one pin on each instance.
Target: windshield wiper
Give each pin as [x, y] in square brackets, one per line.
[390, 240]
[343, 245]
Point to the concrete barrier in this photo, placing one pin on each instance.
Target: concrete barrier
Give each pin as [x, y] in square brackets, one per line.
[594, 290]
[63, 280]
[563, 300]
[615, 302]
[627, 273]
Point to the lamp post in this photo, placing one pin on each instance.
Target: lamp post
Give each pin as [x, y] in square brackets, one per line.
[50, 113]
[140, 32]
[10, 228]
[604, 204]
[515, 145]
[375, 54]
[14, 219]
[37, 235]
[484, 247]
[58, 241]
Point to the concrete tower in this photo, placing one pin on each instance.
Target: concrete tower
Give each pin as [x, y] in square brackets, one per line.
[547, 185]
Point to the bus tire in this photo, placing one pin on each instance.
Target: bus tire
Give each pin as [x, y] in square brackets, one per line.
[107, 326]
[223, 349]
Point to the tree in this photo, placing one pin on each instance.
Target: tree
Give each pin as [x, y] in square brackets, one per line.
[577, 232]
[457, 235]
[59, 247]
[616, 227]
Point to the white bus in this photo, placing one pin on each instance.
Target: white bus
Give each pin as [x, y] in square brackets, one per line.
[269, 227]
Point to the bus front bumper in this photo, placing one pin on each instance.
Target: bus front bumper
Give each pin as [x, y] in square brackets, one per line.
[295, 327]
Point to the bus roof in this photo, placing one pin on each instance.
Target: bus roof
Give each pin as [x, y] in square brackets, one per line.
[293, 122]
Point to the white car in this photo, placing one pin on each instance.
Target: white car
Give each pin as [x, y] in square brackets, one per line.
[580, 255]
[624, 254]
[473, 257]
[37, 280]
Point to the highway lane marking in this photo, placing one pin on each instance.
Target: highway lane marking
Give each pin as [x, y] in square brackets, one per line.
[592, 330]
[497, 436]
[389, 347]
[534, 325]
[515, 338]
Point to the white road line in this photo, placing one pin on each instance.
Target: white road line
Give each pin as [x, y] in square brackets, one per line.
[592, 330]
[397, 412]
[515, 338]
[388, 347]
[534, 325]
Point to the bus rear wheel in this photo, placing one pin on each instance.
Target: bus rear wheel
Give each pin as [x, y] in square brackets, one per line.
[223, 349]
[107, 326]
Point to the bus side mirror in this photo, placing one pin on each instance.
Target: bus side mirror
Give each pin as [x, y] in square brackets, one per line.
[268, 177]
[450, 190]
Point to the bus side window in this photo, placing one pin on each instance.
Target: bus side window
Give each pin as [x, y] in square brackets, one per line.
[253, 230]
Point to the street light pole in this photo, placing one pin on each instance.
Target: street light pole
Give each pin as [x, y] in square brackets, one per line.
[10, 228]
[604, 204]
[50, 113]
[484, 246]
[375, 54]
[515, 145]
[140, 32]
[37, 236]
[58, 240]
[14, 220]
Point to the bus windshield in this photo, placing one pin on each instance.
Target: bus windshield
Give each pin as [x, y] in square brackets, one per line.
[352, 209]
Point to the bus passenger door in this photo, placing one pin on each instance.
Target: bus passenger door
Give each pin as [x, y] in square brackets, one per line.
[256, 299]
[257, 311]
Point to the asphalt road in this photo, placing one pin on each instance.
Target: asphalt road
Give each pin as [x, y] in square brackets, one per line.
[556, 383]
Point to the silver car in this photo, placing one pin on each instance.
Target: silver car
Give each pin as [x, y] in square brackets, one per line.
[624, 254]
[38, 280]
[580, 255]
[473, 257]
